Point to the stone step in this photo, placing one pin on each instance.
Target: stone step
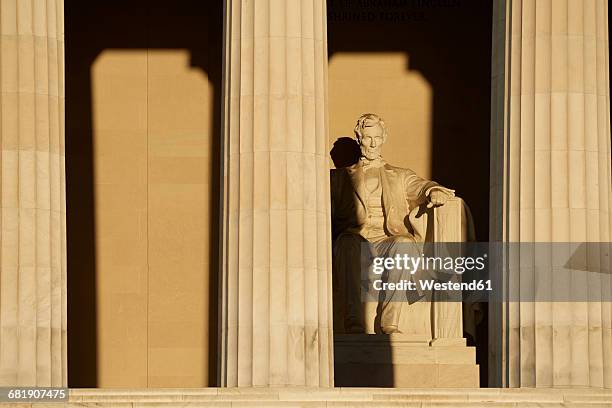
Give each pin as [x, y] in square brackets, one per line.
[337, 397]
[403, 361]
[315, 404]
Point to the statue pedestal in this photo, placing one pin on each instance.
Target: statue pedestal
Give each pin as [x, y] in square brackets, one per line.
[403, 360]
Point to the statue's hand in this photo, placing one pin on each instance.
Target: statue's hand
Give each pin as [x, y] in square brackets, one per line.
[439, 196]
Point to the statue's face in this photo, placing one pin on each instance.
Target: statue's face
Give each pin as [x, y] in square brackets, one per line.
[371, 142]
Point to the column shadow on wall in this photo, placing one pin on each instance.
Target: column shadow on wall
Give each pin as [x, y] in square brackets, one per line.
[91, 28]
[449, 44]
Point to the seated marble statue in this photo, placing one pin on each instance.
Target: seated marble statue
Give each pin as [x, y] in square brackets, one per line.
[371, 204]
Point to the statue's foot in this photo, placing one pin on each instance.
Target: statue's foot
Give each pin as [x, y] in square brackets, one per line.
[390, 329]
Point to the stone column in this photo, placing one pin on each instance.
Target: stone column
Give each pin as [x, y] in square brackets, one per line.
[551, 183]
[276, 313]
[33, 205]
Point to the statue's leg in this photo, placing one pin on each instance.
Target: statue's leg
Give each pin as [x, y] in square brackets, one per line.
[347, 270]
[391, 306]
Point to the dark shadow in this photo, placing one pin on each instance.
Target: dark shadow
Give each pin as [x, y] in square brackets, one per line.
[80, 228]
[360, 353]
[345, 152]
[449, 44]
[90, 28]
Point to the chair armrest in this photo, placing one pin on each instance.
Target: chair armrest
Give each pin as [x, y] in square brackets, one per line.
[449, 221]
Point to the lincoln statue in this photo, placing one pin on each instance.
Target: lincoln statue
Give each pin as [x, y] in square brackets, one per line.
[373, 205]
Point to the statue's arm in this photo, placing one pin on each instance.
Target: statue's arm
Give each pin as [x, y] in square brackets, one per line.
[418, 189]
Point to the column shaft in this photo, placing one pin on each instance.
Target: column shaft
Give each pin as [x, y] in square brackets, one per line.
[276, 314]
[551, 183]
[32, 206]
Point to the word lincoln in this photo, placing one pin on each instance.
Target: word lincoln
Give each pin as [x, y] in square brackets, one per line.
[457, 264]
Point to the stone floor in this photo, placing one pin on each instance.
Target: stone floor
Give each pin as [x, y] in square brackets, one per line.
[337, 397]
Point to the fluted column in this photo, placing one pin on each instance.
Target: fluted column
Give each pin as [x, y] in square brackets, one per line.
[276, 314]
[551, 183]
[33, 206]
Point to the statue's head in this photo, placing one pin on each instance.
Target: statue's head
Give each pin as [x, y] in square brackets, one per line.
[371, 134]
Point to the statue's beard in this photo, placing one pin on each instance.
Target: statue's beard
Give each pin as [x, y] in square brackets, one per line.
[370, 154]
